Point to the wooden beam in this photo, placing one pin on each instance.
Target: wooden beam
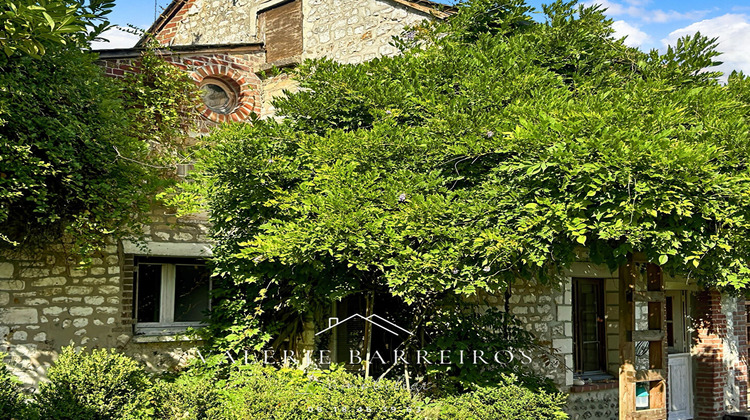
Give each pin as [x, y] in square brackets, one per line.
[649, 375]
[648, 335]
[658, 413]
[656, 337]
[627, 275]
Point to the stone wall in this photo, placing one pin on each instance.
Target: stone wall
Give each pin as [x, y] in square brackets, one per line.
[51, 303]
[354, 31]
[274, 87]
[596, 405]
[202, 22]
[48, 302]
[546, 311]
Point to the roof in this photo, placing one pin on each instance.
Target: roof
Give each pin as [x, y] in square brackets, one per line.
[136, 51]
[439, 10]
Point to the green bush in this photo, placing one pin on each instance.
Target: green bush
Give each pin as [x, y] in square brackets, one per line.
[12, 400]
[187, 395]
[255, 392]
[101, 384]
[506, 401]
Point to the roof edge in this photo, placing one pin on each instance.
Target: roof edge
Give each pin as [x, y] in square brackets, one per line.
[179, 49]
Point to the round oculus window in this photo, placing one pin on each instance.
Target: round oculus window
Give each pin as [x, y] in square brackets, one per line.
[218, 96]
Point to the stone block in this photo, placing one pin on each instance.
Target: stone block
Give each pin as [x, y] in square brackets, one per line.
[53, 310]
[106, 310]
[19, 316]
[12, 284]
[109, 290]
[6, 270]
[20, 336]
[37, 302]
[94, 280]
[79, 290]
[81, 311]
[4, 298]
[49, 282]
[94, 300]
[563, 345]
[519, 310]
[564, 313]
[30, 273]
[66, 299]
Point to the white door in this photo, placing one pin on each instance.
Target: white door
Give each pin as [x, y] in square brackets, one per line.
[680, 387]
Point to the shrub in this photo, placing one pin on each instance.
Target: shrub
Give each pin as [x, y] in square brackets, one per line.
[101, 384]
[506, 401]
[188, 395]
[12, 401]
[254, 392]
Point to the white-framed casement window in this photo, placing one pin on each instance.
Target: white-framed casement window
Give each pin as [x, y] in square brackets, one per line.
[171, 294]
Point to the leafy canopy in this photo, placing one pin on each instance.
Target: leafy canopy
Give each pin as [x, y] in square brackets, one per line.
[78, 150]
[30, 26]
[493, 148]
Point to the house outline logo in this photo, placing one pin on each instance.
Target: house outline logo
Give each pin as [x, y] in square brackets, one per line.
[334, 322]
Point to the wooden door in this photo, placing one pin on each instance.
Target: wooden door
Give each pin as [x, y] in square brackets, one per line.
[680, 387]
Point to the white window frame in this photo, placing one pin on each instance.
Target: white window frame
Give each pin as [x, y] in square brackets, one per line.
[166, 324]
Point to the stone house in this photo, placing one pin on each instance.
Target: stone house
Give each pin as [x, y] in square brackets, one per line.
[619, 336]
[140, 297]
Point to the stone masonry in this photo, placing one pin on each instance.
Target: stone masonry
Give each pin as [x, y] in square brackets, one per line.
[48, 302]
[353, 31]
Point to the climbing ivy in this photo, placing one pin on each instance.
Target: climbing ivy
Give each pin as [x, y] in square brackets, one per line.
[492, 149]
[78, 162]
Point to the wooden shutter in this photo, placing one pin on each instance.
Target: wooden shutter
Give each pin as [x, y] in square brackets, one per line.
[282, 27]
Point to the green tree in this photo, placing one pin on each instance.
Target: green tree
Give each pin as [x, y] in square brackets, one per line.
[492, 149]
[77, 159]
[30, 26]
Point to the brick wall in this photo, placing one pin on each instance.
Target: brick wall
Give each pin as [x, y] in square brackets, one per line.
[720, 371]
[235, 70]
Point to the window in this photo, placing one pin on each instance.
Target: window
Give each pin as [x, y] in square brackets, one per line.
[219, 96]
[588, 325]
[170, 294]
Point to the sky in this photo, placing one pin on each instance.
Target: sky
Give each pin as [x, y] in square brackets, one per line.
[648, 24]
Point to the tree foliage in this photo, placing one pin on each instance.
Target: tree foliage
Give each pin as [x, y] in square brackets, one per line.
[30, 26]
[492, 149]
[76, 147]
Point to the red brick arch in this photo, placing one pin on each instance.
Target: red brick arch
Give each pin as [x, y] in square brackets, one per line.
[247, 85]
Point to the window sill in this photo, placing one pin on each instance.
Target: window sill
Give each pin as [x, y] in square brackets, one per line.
[595, 386]
[174, 338]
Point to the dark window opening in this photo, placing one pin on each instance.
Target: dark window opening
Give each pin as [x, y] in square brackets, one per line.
[589, 340]
[171, 292]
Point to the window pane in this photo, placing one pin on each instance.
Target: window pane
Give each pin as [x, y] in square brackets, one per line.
[591, 357]
[149, 292]
[191, 293]
[588, 337]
